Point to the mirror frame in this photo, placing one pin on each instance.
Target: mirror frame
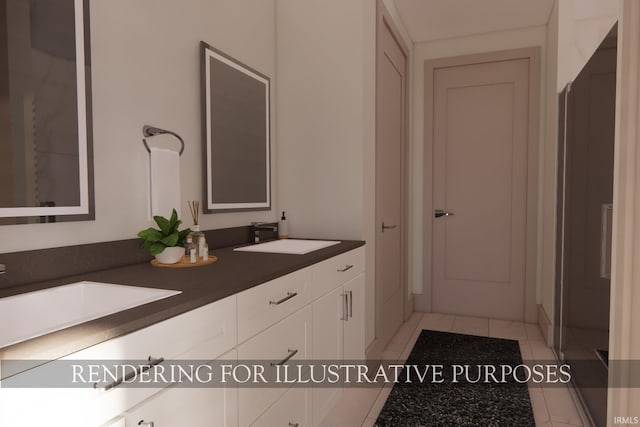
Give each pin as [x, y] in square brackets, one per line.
[86, 210]
[208, 54]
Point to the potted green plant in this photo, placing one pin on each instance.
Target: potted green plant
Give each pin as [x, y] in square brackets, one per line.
[167, 242]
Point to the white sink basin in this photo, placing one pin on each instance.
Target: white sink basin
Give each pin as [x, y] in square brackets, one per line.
[289, 246]
[38, 313]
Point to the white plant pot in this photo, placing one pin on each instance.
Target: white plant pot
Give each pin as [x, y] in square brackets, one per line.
[170, 255]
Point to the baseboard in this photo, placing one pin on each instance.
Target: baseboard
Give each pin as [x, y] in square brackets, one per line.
[545, 326]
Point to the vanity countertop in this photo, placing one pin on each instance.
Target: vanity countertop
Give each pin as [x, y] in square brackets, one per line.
[232, 273]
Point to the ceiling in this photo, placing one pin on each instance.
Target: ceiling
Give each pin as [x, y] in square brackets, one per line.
[427, 20]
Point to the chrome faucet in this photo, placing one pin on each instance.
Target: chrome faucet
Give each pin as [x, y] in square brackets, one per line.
[257, 226]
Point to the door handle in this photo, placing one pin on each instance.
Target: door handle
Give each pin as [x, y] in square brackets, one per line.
[387, 227]
[605, 241]
[439, 212]
[144, 423]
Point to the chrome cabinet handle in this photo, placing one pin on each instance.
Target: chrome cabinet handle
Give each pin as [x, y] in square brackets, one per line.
[132, 374]
[439, 212]
[345, 307]
[350, 299]
[3, 268]
[145, 423]
[347, 267]
[287, 298]
[388, 227]
[294, 425]
[286, 359]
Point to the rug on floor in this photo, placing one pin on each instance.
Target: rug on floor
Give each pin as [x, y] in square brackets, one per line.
[461, 404]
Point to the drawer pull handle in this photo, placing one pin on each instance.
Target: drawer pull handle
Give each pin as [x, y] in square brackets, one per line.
[347, 267]
[287, 298]
[132, 374]
[294, 425]
[286, 359]
[146, 423]
[345, 307]
[350, 298]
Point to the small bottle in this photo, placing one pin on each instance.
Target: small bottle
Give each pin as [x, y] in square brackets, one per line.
[196, 236]
[283, 227]
[190, 250]
[205, 252]
[203, 247]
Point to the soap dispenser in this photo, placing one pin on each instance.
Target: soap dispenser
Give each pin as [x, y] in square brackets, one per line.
[283, 227]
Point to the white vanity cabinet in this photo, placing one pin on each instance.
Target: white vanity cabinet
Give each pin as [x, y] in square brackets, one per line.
[313, 314]
[319, 312]
[338, 320]
[205, 333]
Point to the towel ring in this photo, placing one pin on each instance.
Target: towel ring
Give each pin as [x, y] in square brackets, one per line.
[149, 131]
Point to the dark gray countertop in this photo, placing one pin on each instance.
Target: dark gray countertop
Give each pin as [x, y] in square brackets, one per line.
[232, 273]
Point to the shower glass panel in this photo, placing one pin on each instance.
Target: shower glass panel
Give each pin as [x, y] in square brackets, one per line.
[585, 194]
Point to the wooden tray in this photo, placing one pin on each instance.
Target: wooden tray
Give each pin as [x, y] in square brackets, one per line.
[184, 263]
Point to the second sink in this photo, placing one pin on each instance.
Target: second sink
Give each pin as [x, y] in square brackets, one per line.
[289, 246]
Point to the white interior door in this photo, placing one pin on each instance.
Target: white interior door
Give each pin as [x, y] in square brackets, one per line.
[480, 142]
[390, 134]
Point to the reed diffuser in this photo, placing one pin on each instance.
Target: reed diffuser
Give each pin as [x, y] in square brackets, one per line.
[197, 237]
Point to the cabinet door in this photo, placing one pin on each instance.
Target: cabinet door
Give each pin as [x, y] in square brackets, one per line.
[328, 313]
[176, 406]
[291, 410]
[184, 407]
[284, 343]
[354, 347]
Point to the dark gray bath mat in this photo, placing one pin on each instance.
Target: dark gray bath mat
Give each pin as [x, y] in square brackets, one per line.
[429, 403]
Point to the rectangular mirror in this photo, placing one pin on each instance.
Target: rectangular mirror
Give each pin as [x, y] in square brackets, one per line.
[45, 117]
[236, 134]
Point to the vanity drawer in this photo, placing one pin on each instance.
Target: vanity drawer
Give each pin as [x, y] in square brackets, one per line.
[204, 333]
[333, 272]
[290, 337]
[266, 304]
[293, 409]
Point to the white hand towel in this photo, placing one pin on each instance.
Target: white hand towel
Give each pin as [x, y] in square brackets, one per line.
[164, 168]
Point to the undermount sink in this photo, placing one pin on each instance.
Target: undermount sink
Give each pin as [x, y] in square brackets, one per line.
[37, 313]
[289, 246]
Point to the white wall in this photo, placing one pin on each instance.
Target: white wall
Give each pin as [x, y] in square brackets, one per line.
[146, 70]
[326, 116]
[550, 159]
[583, 24]
[503, 40]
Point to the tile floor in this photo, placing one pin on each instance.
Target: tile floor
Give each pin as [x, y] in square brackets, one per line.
[552, 407]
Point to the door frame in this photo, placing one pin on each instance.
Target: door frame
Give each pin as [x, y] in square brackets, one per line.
[385, 21]
[533, 145]
[624, 340]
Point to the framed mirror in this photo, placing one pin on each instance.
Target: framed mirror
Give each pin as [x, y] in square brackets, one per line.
[236, 134]
[45, 119]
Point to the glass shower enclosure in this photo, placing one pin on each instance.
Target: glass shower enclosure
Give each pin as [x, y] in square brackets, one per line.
[583, 235]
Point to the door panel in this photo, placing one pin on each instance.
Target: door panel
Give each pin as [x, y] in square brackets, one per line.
[390, 134]
[480, 160]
